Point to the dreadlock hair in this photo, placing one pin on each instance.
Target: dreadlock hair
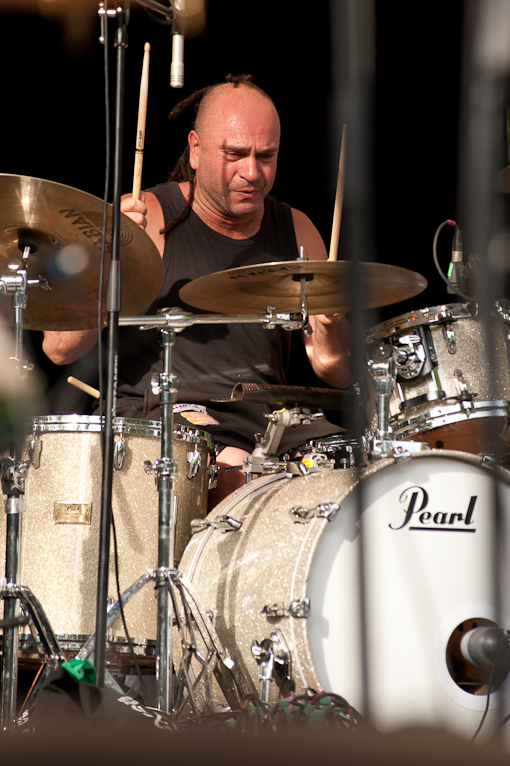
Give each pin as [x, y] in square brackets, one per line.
[183, 171]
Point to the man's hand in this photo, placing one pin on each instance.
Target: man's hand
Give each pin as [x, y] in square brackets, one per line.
[136, 209]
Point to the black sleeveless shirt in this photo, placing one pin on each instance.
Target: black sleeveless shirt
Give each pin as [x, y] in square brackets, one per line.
[210, 359]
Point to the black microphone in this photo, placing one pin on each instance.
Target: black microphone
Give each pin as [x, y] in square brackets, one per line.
[484, 647]
[178, 34]
[456, 269]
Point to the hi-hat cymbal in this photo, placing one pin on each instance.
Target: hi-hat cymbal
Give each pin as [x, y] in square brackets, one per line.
[63, 227]
[290, 396]
[249, 289]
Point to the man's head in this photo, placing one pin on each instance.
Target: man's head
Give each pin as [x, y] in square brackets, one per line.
[234, 149]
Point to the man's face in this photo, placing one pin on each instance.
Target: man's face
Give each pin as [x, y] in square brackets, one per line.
[235, 153]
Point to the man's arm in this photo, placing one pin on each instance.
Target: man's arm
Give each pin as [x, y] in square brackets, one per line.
[329, 346]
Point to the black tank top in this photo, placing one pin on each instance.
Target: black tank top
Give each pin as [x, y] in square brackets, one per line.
[210, 359]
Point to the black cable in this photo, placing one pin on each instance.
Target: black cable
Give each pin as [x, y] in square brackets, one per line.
[486, 711]
[105, 221]
[152, 14]
[123, 617]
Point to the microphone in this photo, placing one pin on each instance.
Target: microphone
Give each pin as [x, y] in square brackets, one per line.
[178, 34]
[456, 269]
[484, 647]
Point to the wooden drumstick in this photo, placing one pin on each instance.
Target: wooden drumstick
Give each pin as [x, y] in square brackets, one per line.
[140, 129]
[84, 387]
[339, 201]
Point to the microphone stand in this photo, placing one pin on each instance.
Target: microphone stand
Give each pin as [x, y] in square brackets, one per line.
[113, 310]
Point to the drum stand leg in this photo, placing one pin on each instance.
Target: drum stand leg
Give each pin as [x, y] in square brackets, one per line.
[13, 474]
[186, 611]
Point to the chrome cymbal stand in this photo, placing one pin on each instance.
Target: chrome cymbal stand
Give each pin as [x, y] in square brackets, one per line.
[170, 321]
[13, 476]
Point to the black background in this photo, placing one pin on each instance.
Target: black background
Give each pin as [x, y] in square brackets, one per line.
[53, 117]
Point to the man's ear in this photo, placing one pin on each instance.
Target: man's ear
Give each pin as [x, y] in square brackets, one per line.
[194, 149]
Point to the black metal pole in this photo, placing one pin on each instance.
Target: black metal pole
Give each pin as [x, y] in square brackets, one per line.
[112, 309]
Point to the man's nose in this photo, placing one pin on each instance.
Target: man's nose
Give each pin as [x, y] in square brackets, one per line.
[250, 168]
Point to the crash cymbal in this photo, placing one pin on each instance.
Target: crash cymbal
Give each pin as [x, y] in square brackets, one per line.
[63, 225]
[249, 289]
[291, 396]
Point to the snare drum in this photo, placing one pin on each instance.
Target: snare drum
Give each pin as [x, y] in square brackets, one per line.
[291, 574]
[60, 529]
[446, 392]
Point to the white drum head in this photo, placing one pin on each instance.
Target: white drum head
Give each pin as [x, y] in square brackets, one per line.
[427, 531]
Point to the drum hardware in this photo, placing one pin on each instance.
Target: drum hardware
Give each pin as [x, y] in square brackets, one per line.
[13, 471]
[261, 459]
[213, 658]
[273, 657]
[299, 608]
[327, 511]
[169, 322]
[214, 474]
[223, 523]
[337, 451]
[383, 370]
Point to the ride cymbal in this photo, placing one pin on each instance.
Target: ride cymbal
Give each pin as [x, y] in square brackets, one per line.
[63, 227]
[249, 289]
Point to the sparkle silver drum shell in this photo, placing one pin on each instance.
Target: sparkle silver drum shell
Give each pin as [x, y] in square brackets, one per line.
[447, 392]
[425, 535]
[60, 528]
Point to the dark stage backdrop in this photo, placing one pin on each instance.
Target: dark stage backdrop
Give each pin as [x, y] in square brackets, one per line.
[52, 123]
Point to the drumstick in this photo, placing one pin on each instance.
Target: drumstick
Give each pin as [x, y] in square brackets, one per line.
[84, 387]
[339, 201]
[140, 129]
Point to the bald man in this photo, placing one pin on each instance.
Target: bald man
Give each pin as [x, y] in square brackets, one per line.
[217, 214]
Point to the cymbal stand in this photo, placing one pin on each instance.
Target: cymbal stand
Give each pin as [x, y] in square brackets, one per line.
[13, 476]
[170, 321]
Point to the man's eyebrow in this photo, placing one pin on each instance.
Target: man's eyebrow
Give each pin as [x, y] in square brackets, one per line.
[246, 149]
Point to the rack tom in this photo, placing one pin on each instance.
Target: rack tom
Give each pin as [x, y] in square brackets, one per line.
[447, 391]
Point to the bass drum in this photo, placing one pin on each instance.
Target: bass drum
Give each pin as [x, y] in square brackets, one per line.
[292, 575]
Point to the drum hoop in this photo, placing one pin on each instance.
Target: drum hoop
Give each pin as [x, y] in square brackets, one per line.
[92, 424]
[427, 316]
[452, 412]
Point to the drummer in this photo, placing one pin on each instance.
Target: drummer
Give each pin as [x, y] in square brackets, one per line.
[215, 213]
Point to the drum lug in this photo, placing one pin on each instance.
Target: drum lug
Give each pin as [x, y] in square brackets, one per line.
[299, 608]
[449, 336]
[304, 515]
[464, 395]
[34, 452]
[214, 473]
[223, 523]
[119, 454]
[194, 462]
